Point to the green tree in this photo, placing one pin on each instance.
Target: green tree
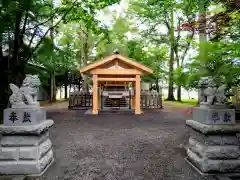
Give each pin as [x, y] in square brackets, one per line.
[25, 26]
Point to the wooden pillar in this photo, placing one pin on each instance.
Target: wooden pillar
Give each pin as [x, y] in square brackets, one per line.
[137, 95]
[133, 97]
[95, 94]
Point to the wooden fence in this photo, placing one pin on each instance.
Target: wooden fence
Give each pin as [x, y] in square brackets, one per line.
[84, 101]
[151, 100]
[80, 100]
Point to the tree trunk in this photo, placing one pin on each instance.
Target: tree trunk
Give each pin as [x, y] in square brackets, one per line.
[85, 83]
[17, 34]
[84, 57]
[53, 78]
[11, 70]
[66, 85]
[202, 29]
[171, 61]
[4, 85]
[198, 101]
[188, 94]
[60, 92]
[16, 66]
[157, 85]
[53, 87]
[179, 89]
[202, 34]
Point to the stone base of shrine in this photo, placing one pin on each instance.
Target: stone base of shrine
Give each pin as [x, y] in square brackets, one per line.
[214, 148]
[26, 150]
[112, 111]
[117, 111]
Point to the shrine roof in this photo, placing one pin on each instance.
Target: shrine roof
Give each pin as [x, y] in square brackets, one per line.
[136, 65]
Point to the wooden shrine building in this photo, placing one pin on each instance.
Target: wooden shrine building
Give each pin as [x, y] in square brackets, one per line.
[116, 71]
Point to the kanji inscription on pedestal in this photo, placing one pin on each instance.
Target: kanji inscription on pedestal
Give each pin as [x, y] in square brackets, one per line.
[13, 117]
[17, 116]
[26, 117]
[227, 117]
[215, 116]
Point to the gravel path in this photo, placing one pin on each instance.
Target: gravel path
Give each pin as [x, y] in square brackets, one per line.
[119, 147]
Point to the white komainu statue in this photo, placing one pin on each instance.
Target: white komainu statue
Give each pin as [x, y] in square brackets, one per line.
[210, 94]
[26, 95]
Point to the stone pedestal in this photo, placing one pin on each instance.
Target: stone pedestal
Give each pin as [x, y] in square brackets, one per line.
[25, 147]
[214, 115]
[214, 145]
[24, 116]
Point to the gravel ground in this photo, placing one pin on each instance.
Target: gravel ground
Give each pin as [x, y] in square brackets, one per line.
[119, 147]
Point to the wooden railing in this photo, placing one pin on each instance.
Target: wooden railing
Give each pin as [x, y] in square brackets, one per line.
[84, 101]
[151, 100]
[80, 100]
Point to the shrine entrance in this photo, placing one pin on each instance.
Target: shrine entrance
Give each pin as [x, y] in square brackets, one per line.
[116, 83]
[115, 95]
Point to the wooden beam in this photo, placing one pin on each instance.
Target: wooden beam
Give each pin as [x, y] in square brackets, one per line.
[120, 58]
[98, 63]
[107, 85]
[117, 79]
[116, 72]
[134, 63]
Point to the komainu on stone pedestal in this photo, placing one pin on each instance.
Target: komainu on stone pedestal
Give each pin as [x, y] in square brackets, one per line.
[25, 147]
[26, 95]
[211, 94]
[213, 144]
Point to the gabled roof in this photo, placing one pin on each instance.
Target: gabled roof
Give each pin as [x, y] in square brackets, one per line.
[113, 57]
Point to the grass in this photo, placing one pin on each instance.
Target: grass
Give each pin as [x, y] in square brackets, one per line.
[184, 103]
